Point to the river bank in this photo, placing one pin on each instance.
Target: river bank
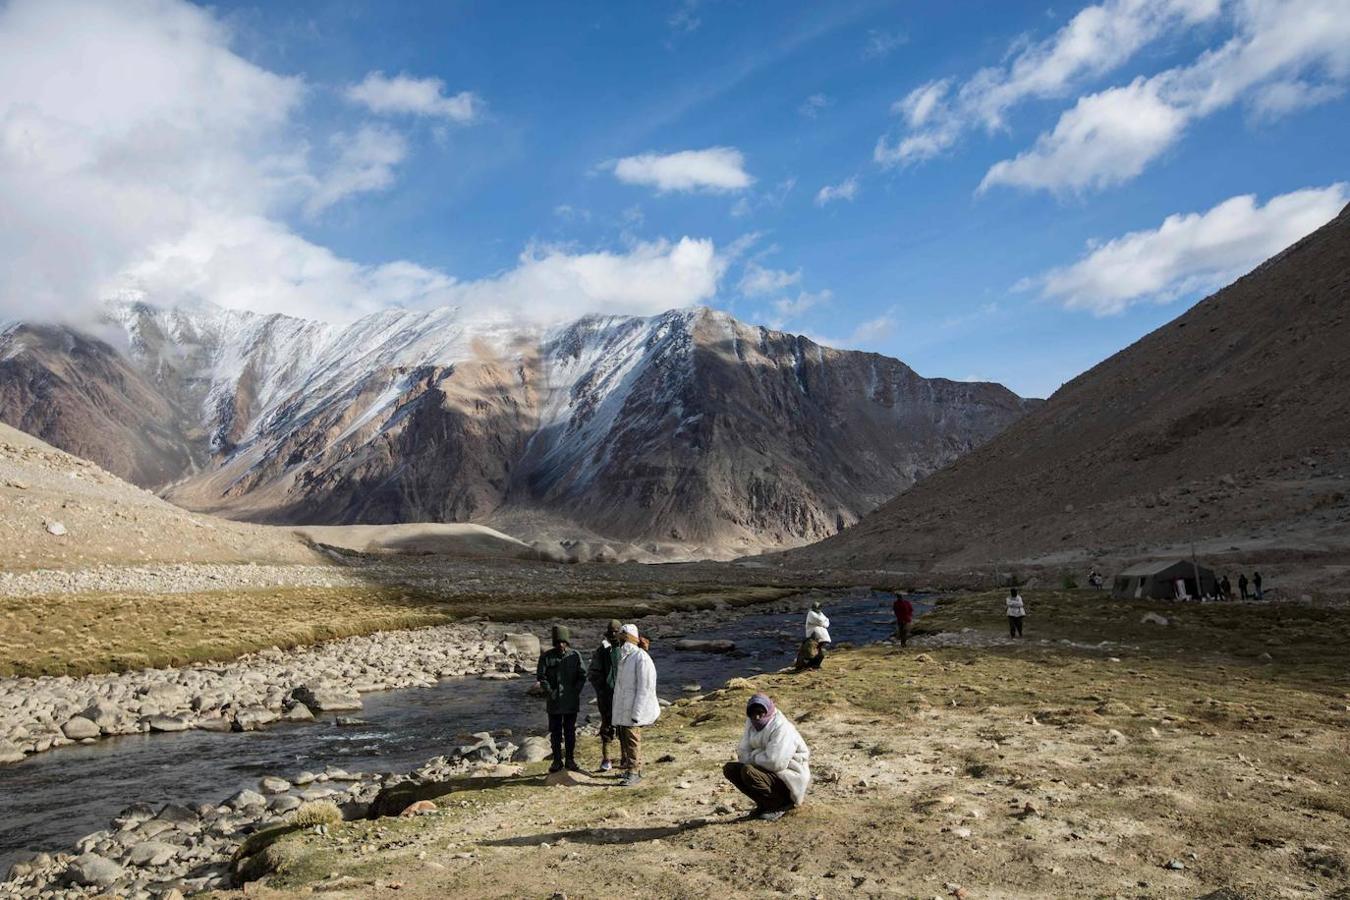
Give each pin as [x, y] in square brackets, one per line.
[396, 729]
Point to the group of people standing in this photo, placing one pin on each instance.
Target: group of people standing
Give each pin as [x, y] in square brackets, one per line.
[772, 764]
[624, 679]
[1247, 590]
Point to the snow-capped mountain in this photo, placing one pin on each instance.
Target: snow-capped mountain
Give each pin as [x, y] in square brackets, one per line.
[688, 428]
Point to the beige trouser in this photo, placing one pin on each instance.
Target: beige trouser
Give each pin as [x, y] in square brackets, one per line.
[630, 748]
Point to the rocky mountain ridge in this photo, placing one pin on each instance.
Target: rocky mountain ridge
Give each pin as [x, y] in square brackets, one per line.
[686, 430]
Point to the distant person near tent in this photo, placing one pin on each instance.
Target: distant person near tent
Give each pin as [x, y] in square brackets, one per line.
[1017, 611]
[1256, 584]
[904, 618]
[1242, 585]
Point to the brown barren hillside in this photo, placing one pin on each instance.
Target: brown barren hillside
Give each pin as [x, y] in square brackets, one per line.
[1229, 427]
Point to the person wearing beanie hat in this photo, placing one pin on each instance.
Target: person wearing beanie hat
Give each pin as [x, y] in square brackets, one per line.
[561, 674]
[604, 666]
[635, 703]
[772, 762]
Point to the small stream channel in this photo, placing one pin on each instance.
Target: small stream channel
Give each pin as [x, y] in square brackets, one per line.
[53, 799]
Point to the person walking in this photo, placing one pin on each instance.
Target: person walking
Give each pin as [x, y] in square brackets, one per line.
[1242, 585]
[604, 666]
[562, 674]
[1017, 611]
[1256, 584]
[904, 618]
[635, 703]
[772, 764]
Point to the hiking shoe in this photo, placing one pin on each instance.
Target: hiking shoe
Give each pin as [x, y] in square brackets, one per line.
[571, 766]
[770, 815]
[606, 765]
[630, 779]
[556, 767]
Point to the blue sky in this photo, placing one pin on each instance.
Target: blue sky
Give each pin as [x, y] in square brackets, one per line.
[997, 176]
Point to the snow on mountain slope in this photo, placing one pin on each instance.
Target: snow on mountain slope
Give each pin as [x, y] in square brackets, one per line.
[686, 428]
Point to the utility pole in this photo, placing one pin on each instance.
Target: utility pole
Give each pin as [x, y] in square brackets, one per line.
[1199, 592]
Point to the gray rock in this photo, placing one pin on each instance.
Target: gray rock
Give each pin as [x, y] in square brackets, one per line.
[327, 698]
[10, 753]
[166, 723]
[246, 799]
[177, 814]
[284, 803]
[254, 717]
[214, 723]
[152, 853]
[56, 529]
[92, 870]
[271, 784]
[297, 712]
[1152, 618]
[523, 644]
[533, 749]
[79, 728]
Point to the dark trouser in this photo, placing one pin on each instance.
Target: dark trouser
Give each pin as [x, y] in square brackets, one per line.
[604, 700]
[1244, 593]
[630, 748]
[562, 734]
[902, 631]
[759, 784]
[1014, 626]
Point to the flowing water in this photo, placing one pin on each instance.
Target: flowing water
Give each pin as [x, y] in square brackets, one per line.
[51, 800]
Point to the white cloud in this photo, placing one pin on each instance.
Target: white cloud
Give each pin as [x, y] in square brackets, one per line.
[365, 162]
[1285, 55]
[844, 190]
[812, 106]
[786, 309]
[1097, 40]
[769, 198]
[716, 169]
[757, 280]
[1105, 139]
[403, 94]
[1189, 253]
[880, 43]
[139, 153]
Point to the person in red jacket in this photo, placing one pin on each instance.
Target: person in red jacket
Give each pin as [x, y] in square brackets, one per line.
[904, 618]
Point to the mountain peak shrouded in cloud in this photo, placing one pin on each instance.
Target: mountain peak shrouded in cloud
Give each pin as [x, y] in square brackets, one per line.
[549, 166]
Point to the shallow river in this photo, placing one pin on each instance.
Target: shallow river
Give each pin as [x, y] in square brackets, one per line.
[53, 799]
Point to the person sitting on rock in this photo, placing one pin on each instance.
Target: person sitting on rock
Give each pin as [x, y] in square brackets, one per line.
[635, 703]
[604, 666]
[562, 674]
[772, 761]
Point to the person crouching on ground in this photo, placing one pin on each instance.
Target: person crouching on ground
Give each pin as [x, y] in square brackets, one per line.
[771, 765]
[635, 703]
[904, 618]
[562, 674]
[1017, 611]
[604, 666]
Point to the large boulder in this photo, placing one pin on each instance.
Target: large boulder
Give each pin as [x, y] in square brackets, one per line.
[78, 728]
[533, 749]
[327, 697]
[152, 853]
[9, 753]
[110, 718]
[92, 870]
[254, 717]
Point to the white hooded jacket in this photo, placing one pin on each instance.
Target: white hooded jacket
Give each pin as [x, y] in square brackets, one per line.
[635, 688]
[817, 626]
[780, 749]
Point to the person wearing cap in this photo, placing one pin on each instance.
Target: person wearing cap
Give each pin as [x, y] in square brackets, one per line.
[635, 703]
[604, 666]
[772, 762]
[562, 675]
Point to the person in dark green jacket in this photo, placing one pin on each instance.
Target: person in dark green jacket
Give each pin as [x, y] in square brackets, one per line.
[604, 665]
[562, 675]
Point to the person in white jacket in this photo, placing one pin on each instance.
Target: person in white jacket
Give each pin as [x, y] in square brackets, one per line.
[772, 762]
[817, 624]
[1017, 611]
[635, 703]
